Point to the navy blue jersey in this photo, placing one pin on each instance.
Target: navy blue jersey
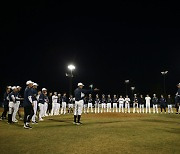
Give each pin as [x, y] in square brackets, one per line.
[141, 101]
[103, 100]
[169, 101]
[71, 101]
[115, 100]
[6, 98]
[27, 97]
[12, 96]
[42, 98]
[64, 99]
[90, 100]
[109, 100]
[162, 101]
[155, 100]
[35, 93]
[80, 93]
[85, 100]
[97, 100]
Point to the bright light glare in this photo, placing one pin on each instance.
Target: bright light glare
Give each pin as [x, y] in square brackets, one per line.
[71, 67]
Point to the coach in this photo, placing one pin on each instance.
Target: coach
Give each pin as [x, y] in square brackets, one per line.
[79, 94]
[28, 104]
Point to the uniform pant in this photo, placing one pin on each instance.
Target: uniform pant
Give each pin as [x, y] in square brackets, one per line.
[108, 107]
[28, 113]
[163, 106]
[97, 108]
[155, 108]
[35, 111]
[170, 110]
[115, 107]
[121, 107]
[78, 107]
[53, 109]
[63, 109]
[127, 107]
[90, 106]
[41, 112]
[85, 108]
[141, 106]
[6, 109]
[135, 108]
[148, 108]
[45, 109]
[177, 107]
[103, 107]
[16, 108]
[11, 110]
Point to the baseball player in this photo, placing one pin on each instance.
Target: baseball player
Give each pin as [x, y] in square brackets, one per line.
[79, 94]
[34, 99]
[41, 104]
[85, 104]
[155, 103]
[6, 102]
[177, 99]
[12, 101]
[49, 104]
[64, 100]
[103, 102]
[135, 104]
[121, 104]
[16, 104]
[28, 105]
[115, 100]
[59, 101]
[127, 104]
[54, 104]
[70, 104]
[169, 103]
[46, 101]
[109, 101]
[90, 103]
[162, 103]
[148, 103]
[97, 103]
[141, 103]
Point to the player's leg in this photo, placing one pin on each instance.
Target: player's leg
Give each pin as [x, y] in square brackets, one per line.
[75, 111]
[133, 107]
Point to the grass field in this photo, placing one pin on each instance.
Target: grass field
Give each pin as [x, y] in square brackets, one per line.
[100, 133]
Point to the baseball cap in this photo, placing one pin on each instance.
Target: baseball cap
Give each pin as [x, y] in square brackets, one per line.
[18, 87]
[35, 84]
[44, 89]
[9, 87]
[29, 82]
[80, 84]
[14, 87]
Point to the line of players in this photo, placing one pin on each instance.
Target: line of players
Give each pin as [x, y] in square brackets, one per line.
[139, 104]
[55, 104]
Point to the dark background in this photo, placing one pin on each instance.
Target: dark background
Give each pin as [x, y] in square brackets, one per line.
[107, 42]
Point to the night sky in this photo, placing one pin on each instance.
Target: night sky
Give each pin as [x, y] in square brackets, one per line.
[107, 43]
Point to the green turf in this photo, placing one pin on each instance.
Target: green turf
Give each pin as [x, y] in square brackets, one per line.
[100, 133]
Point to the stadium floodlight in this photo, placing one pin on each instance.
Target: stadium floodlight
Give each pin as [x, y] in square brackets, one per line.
[164, 73]
[126, 82]
[132, 88]
[71, 67]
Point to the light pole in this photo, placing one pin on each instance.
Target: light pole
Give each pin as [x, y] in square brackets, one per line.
[126, 83]
[164, 81]
[71, 68]
[132, 89]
